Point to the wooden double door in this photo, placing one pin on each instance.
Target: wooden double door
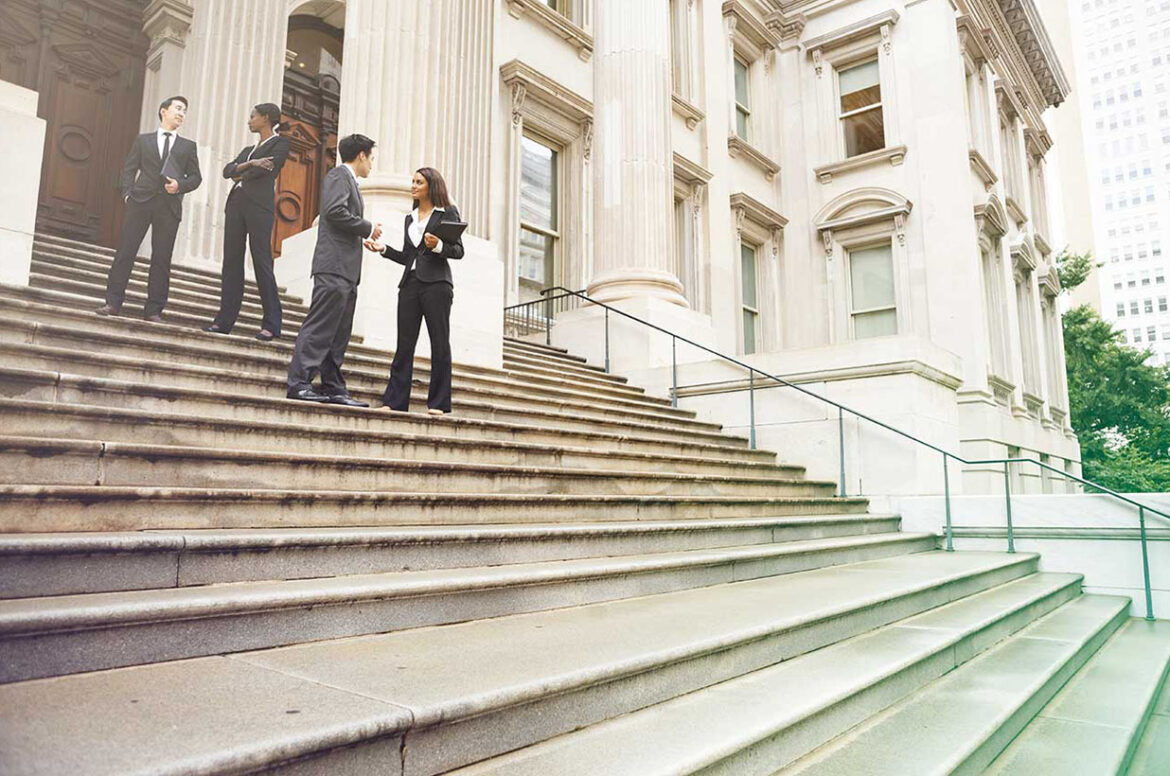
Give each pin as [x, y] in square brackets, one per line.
[310, 108]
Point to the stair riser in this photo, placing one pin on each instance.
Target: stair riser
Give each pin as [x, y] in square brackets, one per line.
[52, 465]
[538, 350]
[792, 743]
[52, 654]
[44, 515]
[438, 749]
[267, 405]
[559, 369]
[43, 574]
[440, 442]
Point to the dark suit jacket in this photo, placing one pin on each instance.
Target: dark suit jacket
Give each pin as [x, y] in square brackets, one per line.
[256, 184]
[429, 267]
[341, 229]
[142, 178]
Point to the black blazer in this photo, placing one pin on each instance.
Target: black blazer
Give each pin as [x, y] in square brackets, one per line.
[342, 228]
[429, 267]
[142, 178]
[256, 184]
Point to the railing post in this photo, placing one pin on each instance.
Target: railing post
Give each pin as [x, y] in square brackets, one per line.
[547, 319]
[841, 449]
[607, 339]
[947, 502]
[1007, 489]
[673, 371]
[752, 404]
[1146, 564]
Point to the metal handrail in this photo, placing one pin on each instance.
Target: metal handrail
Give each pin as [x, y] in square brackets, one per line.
[559, 292]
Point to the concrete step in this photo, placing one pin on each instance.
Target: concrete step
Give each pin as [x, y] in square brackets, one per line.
[540, 348]
[534, 367]
[959, 723]
[391, 702]
[746, 725]
[68, 634]
[80, 462]
[1095, 723]
[71, 563]
[66, 247]
[474, 417]
[1153, 750]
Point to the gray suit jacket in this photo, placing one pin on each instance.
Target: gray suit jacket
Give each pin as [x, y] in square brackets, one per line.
[341, 228]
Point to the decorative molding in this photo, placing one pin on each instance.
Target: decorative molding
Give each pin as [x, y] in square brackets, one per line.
[167, 21]
[87, 59]
[991, 217]
[1037, 141]
[757, 212]
[1031, 37]
[861, 207]
[587, 140]
[895, 155]
[744, 24]
[1049, 283]
[519, 92]
[534, 85]
[1015, 211]
[560, 24]
[981, 168]
[878, 25]
[827, 239]
[973, 41]
[1041, 244]
[737, 146]
[688, 172]
[1023, 256]
[787, 28]
[818, 62]
[687, 110]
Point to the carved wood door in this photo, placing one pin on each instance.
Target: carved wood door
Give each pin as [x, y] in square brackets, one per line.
[310, 107]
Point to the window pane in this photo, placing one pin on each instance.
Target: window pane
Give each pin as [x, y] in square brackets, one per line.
[538, 184]
[747, 257]
[741, 120]
[536, 252]
[871, 277]
[741, 84]
[864, 132]
[875, 324]
[749, 332]
[859, 86]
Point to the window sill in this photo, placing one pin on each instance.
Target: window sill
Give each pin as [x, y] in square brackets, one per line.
[557, 22]
[687, 110]
[737, 146]
[1015, 211]
[895, 155]
[981, 168]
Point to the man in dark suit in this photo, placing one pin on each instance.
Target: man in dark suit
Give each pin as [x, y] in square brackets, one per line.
[337, 270]
[159, 170]
[248, 216]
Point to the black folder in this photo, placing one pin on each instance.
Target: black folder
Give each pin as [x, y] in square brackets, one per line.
[449, 231]
[171, 169]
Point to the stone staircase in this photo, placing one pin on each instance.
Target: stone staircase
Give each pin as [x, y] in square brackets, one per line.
[565, 576]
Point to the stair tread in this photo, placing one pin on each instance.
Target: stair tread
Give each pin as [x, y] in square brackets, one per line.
[1092, 723]
[937, 729]
[392, 680]
[1153, 751]
[735, 714]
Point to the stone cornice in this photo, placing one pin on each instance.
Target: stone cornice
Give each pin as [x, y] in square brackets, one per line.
[737, 146]
[757, 212]
[1032, 40]
[557, 22]
[167, 21]
[862, 28]
[866, 371]
[982, 168]
[539, 87]
[895, 155]
[688, 171]
[750, 26]
[689, 112]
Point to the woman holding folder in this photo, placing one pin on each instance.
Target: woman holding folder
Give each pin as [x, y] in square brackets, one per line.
[432, 236]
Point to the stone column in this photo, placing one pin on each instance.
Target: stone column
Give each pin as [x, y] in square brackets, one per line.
[166, 23]
[633, 170]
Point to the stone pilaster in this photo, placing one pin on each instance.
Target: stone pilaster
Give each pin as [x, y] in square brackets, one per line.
[633, 167]
[166, 23]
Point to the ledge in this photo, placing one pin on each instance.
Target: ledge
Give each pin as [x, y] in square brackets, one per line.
[1015, 211]
[737, 146]
[557, 22]
[757, 212]
[1041, 244]
[1001, 388]
[689, 172]
[982, 169]
[895, 155]
[687, 110]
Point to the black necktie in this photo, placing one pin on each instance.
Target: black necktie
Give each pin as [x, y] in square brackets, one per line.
[166, 147]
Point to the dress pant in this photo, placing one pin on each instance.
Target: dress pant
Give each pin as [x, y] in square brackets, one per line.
[244, 221]
[155, 214]
[418, 301]
[324, 336]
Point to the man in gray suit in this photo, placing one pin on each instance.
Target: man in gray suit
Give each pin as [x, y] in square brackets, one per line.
[337, 270]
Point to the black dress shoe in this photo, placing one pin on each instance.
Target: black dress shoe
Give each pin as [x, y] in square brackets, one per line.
[308, 394]
[266, 336]
[346, 401]
[214, 329]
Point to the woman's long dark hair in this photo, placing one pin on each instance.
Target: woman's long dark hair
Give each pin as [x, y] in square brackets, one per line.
[436, 186]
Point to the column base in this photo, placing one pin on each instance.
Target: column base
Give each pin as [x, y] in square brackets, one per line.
[386, 196]
[626, 284]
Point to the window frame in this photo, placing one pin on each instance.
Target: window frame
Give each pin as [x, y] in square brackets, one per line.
[554, 268]
[886, 242]
[843, 116]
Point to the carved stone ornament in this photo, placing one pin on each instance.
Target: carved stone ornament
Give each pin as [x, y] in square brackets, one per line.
[818, 63]
[740, 218]
[827, 238]
[900, 228]
[887, 43]
[519, 91]
[587, 137]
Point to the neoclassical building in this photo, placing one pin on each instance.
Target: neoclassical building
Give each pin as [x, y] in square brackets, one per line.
[852, 194]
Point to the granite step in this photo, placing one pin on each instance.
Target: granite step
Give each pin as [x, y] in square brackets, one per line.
[746, 725]
[51, 636]
[357, 701]
[70, 563]
[540, 348]
[961, 722]
[1153, 749]
[1095, 723]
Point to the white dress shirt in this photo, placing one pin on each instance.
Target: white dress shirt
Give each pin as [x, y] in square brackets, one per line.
[162, 139]
[417, 230]
[353, 174]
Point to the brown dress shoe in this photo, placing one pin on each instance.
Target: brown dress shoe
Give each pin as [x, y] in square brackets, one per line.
[154, 319]
[106, 310]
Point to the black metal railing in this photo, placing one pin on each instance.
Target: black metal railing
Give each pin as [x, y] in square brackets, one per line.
[539, 316]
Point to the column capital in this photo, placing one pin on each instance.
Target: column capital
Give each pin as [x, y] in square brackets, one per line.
[167, 21]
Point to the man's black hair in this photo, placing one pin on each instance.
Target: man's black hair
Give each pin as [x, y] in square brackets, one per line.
[167, 103]
[351, 145]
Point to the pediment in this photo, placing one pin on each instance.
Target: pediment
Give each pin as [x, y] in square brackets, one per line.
[862, 206]
[86, 58]
[12, 32]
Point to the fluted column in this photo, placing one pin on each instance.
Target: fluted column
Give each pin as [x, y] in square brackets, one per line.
[633, 166]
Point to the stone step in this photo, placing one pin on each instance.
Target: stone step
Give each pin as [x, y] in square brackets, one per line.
[66, 247]
[48, 508]
[391, 703]
[1095, 723]
[58, 635]
[959, 723]
[46, 420]
[94, 462]
[50, 261]
[475, 418]
[1153, 750]
[537, 365]
[71, 563]
[750, 723]
[540, 348]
